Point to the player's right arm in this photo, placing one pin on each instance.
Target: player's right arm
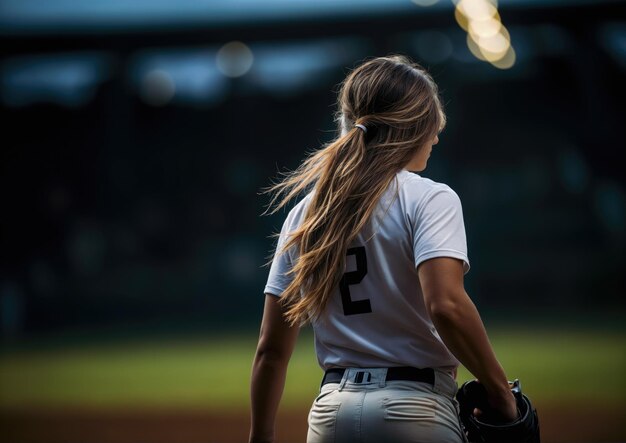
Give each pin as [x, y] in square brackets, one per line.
[460, 327]
[269, 369]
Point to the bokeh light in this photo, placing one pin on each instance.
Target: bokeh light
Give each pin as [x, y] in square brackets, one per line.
[157, 88]
[487, 38]
[507, 61]
[485, 28]
[495, 47]
[234, 59]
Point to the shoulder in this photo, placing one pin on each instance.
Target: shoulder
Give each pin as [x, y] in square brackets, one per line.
[419, 191]
[296, 213]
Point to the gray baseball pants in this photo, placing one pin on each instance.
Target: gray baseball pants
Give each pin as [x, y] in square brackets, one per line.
[385, 411]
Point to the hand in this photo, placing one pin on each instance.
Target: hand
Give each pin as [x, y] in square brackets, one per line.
[503, 408]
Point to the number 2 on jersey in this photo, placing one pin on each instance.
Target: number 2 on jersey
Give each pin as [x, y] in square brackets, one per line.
[351, 307]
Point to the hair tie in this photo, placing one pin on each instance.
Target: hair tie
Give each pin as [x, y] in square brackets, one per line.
[360, 126]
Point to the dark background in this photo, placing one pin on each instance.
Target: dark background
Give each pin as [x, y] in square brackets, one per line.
[131, 167]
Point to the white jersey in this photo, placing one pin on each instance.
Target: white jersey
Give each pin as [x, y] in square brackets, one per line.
[377, 316]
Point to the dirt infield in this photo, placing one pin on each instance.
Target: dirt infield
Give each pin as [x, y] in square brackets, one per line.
[558, 425]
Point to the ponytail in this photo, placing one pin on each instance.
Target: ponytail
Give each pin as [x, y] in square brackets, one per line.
[348, 176]
[344, 194]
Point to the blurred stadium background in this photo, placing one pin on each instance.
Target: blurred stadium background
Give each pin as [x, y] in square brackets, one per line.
[137, 136]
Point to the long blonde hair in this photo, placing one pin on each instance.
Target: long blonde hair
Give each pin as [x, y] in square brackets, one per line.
[397, 101]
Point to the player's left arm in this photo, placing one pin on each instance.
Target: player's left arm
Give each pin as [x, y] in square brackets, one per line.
[276, 343]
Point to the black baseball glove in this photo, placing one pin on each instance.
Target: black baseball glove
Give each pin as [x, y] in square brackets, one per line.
[486, 428]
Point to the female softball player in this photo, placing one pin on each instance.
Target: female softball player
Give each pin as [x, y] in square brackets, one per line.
[373, 257]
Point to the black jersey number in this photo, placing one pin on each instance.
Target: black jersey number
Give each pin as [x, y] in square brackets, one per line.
[351, 307]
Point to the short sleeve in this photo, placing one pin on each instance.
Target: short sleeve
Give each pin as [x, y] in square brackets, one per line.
[278, 278]
[438, 228]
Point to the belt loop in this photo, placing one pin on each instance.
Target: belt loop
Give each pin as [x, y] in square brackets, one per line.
[344, 379]
[383, 378]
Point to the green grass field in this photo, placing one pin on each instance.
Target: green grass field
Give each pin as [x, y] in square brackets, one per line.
[211, 373]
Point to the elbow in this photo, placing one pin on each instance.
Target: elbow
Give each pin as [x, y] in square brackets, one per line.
[271, 356]
[447, 309]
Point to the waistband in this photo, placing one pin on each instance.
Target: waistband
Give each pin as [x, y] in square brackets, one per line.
[406, 373]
